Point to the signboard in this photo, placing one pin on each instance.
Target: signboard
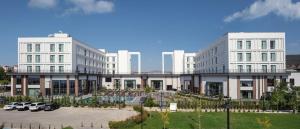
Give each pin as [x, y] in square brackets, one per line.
[173, 107]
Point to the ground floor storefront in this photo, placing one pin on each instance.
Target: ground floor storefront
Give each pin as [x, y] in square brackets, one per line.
[236, 86]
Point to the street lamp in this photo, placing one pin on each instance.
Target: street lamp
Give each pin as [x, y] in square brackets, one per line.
[228, 106]
[142, 100]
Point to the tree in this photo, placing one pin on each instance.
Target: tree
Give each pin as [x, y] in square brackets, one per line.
[165, 118]
[264, 122]
[278, 94]
[148, 89]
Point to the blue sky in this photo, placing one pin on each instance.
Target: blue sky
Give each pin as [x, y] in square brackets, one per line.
[148, 26]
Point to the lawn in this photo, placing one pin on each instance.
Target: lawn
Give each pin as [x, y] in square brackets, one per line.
[189, 120]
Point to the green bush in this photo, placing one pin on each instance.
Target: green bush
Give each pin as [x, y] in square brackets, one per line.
[68, 127]
[149, 102]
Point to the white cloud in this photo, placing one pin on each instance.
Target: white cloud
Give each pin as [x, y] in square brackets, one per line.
[90, 6]
[43, 4]
[260, 8]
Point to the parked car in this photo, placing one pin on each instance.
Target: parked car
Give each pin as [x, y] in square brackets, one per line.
[37, 106]
[51, 106]
[11, 106]
[23, 106]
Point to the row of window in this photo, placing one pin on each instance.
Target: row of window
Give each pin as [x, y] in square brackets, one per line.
[263, 44]
[249, 68]
[264, 57]
[113, 65]
[38, 58]
[38, 69]
[38, 48]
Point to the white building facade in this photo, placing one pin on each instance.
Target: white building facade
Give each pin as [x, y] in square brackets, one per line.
[238, 65]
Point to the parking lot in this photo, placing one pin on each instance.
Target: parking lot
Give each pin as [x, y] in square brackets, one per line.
[78, 118]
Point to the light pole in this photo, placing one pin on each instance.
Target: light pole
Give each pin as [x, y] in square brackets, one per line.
[227, 105]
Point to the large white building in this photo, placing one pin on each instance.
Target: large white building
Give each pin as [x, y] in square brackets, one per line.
[238, 65]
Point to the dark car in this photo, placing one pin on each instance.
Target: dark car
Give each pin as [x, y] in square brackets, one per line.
[51, 106]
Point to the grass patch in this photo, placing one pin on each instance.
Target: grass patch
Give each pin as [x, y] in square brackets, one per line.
[190, 120]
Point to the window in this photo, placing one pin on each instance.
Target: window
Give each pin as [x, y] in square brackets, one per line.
[188, 65]
[248, 56]
[248, 68]
[246, 83]
[240, 68]
[273, 68]
[263, 44]
[264, 57]
[37, 47]
[37, 59]
[272, 44]
[52, 47]
[216, 60]
[52, 68]
[52, 58]
[187, 59]
[61, 68]
[37, 68]
[292, 81]
[61, 47]
[114, 65]
[29, 47]
[113, 59]
[61, 58]
[239, 45]
[270, 82]
[264, 68]
[246, 94]
[240, 56]
[107, 79]
[29, 69]
[29, 58]
[248, 44]
[273, 56]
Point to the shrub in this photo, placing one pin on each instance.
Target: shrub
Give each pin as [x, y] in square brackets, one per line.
[68, 127]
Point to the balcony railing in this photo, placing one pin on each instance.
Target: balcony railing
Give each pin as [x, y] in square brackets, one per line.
[227, 71]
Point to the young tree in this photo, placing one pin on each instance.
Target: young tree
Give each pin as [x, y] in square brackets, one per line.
[264, 122]
[165, 118]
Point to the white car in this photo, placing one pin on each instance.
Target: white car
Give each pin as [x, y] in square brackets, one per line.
[11, 106]
[37, 106]
[23, 106]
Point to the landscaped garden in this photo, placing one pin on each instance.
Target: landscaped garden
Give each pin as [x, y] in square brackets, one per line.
[217, 120]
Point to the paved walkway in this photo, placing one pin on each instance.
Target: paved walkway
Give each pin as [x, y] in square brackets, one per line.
[78, 118]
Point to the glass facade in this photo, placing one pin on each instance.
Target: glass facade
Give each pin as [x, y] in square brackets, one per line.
[59, 87]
